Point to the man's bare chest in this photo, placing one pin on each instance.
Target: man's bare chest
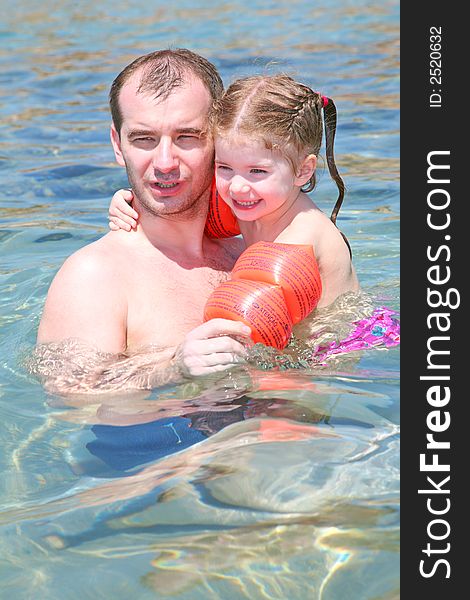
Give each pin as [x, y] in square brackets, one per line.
[164, 304]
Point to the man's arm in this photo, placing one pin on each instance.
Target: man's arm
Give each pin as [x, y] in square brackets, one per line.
[86, 301]
[82, 337]
[83, 329]
[72, 367]
[76, 367]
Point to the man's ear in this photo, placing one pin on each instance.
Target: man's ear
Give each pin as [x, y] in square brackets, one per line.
[116, 142]
[306, 170]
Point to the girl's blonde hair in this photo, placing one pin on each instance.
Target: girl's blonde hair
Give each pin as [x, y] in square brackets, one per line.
[285, 115]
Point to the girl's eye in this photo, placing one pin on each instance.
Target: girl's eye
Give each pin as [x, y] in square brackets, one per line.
[223, 168]
[256, 171]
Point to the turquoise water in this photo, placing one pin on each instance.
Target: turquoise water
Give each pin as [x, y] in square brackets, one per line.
[258, 508]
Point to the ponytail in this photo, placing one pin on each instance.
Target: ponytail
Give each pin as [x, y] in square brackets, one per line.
[329, 115]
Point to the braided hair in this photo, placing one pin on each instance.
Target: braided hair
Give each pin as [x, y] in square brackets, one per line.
[286, 116]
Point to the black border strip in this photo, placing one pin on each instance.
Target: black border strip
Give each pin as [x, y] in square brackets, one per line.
[434, 117]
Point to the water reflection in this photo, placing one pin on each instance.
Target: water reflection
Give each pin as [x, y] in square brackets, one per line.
[300, 490]
[291, 491]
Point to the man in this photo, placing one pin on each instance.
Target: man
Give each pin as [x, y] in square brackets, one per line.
[127, 292]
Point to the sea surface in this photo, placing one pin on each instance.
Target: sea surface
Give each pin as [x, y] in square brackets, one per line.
[287, 484]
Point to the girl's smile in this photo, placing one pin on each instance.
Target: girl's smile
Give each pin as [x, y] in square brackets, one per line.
[252, 179]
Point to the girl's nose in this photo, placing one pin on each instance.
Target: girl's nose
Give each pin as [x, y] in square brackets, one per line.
[238, 185]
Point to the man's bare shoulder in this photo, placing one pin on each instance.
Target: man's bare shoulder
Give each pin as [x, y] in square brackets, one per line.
[87, 298]
[101, 260]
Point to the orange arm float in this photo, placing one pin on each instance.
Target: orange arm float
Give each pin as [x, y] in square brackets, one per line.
[220, 222]
[273, 287]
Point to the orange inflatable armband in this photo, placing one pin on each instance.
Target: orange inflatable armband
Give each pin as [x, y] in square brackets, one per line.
[259, 305]
[273, 287]
[291, 266]
[220, 222]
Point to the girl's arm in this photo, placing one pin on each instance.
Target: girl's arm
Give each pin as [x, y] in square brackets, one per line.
[336, 268]
[332, 253]
[121, 213]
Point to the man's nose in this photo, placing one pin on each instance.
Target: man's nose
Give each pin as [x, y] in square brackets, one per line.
[164, 156]
[238, 185]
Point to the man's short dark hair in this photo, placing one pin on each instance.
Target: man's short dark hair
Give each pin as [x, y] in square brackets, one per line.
[162, 72]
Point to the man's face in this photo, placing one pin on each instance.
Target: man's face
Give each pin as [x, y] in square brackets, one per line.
[166, 149]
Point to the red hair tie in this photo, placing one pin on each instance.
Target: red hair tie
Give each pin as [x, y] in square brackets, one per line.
[324, 99]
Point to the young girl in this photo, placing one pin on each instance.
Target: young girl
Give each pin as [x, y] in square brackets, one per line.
[267, 134]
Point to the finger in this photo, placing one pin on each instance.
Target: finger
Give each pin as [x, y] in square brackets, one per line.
[118, 224]
[224, 344]
[128, 211]
[223, 359]
[123, 194]
[216, 345]
[218, 327]
[113, 226]
[201, 371]
[124, 216]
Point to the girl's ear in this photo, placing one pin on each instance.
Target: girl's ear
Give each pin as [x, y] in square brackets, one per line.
[306, 170]
[116, 142]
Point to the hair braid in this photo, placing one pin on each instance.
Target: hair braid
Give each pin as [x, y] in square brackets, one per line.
[329, 112]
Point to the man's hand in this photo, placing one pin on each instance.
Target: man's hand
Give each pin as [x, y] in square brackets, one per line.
[209, 347]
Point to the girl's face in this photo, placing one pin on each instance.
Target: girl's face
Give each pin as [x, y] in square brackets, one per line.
[253, 180]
